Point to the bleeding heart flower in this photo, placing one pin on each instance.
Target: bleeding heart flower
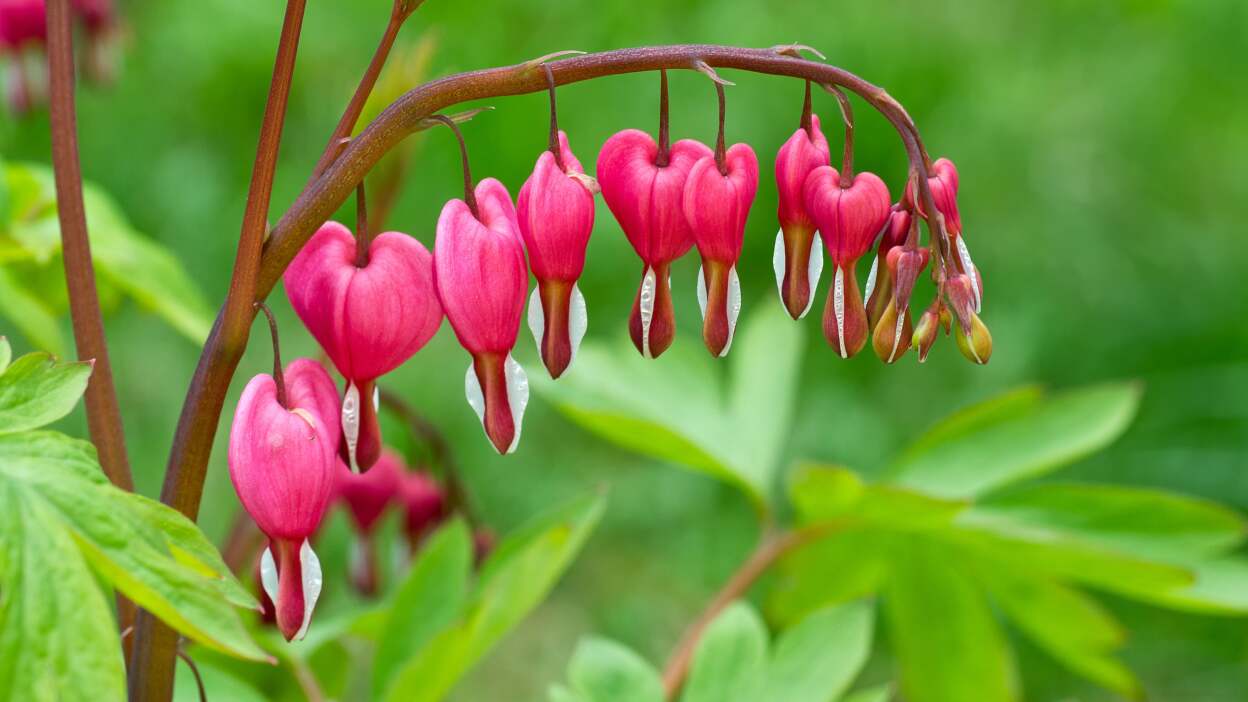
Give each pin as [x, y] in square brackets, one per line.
[848, 220]
[424, 506]
[893, 332]
[555, 210]
[366, 496]
[942, 180]
[482, 280]
[798, 258]
[973, 337]
[369, 318]
[282, 464]
[879, 288]
[22, 22]
[646, 194]
[716, 206]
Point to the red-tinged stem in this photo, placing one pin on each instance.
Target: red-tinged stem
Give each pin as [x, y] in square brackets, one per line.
[808, 122]
[470, 196]
[103, 414]
[770, 549]
[721, 148]
[665, 139]
[279, 376]
[847, 157]
[155, 644]
[554, 118]
[363, 235]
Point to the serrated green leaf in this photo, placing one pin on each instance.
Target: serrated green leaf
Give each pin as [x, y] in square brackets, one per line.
[429, 600]
[947, 642]
[605, 671]
[817, 659]
[29, 314]
[1015, 439]
[63, 477]
[36, 390]
[1071, 626]
[58, 640]
[729, 664]
[513, 581]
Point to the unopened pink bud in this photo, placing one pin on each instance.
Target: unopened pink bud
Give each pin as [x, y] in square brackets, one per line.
[879, 287]
[798, 258]
[716, 207]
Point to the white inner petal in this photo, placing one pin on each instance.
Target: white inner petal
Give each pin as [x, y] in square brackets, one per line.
[778, 263]
[517, 396]
[702, 292]
[310, 568]
[578, 320]
[537, 319]
[376, 398]
[648, 285]
[268, 575]
[814, 270]
[875, 264]
[901, 322]
[472, 389]
[734, 306]
[838, 302]
[351, 422]
[969, 265]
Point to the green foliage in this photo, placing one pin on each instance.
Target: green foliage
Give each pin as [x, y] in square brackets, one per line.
[126, 262]
[62, 525]
[678, 411]
[604, 671]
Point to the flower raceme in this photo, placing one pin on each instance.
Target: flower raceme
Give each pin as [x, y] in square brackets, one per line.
[369, 318]
[716, 202]
[644, 188]
[555, 211]
[848, 219]
[482, 280]
[798, 258]
[283, 466]
[943, 182]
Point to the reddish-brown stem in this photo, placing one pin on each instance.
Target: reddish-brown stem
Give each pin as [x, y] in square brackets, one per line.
[847, 115]
[770, 549]
[554, 118]
[155, 644]
[279, 377]
[103, 414]
[363, 236]
[664, 155]
[721, 149]
[808, 122]
[398, 15]
[469, 196]
[440, 453]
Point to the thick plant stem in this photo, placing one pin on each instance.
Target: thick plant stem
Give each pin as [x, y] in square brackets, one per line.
[103, 414]
[155, 644]
[771, 549]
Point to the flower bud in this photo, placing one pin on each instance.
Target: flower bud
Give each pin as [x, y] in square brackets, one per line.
[482, 280]
[281, 460]
[647, 199]
[798, 258]
[879, 288]
[555, 210]
[716, 206]
[942, 180]
[849, 220]
[424, 506]
[926, 330]
[893, 333]
[369, 319]
[973, 337]
[366, 496]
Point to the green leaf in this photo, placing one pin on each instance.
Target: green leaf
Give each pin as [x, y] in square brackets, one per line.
[766, 361]
[559, 693]
[29, 314]
[429, 600]
[843, 566]
[513, 581]
[730, 661]
[62, 476]
[1072, 627]
[818, 659]
[1148, 523]
[1220, 587]
[36, 390]
[6, 353]
[58, 640]
[218, 685]
[881, 693]
[946, 639]
[605, 671]
[1016, 437]
[824, 493]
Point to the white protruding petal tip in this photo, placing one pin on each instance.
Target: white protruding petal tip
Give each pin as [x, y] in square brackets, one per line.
[351, 423]
[268, 575]
[578, 321]
[537, 319]
[649, 285]
[517, 397]
[310, 568]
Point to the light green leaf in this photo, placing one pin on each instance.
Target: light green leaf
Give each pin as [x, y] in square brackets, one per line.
[818, 659]
[218, 685]
[881, 693]
[766, 359]
[946, 639]
[1220, 587]
[36, 390]
[1072, 627]
[30, 315]
[824, 493]
[513, 581]
[730, 661]
[1147, 523]
[559, 693]
[605, 671]
[1014, 438]
[6, 353]
[429, 600]
[58, 640]
[62, 476]
[846, 565]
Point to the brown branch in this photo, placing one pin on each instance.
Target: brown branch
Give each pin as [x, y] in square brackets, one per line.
[103, 414]
[155, 644]
[770, 550]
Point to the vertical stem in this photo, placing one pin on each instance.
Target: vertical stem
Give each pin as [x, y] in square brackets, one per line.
[554, 118]
[847, 114]
[279, 378]
[155, 644]
[664, 135]
[720, 146]
[808, 122]
[103, 413]
[469, 196]
[363, 235]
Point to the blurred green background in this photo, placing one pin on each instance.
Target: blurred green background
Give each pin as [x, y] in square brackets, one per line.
[1101, 147]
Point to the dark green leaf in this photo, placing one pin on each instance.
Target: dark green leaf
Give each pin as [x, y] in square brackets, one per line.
[605, 671]
[817, 659]
[1014, 438]
[36, 390]
[729, 664]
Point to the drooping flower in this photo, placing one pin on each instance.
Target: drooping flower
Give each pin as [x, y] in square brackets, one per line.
[879, 288]
[644, 189]
[798, 258]
[930, 323]
[893, 332]
[942, 180]
[22, 22]
[973, 337]
[555, 210]
[482, 280]
[716, 204]
[424, 506]
[366, 497]
[369, 318]
[848, 218]
[282, 464]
